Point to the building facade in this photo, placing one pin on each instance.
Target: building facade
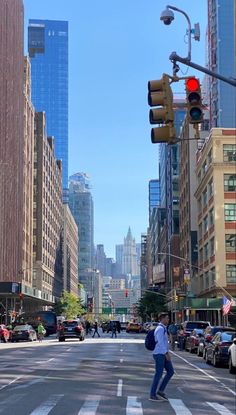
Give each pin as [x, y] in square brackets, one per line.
[129, 259]
[48, 214]
[216, 200]
[70, 252]
[48, 51]
[222, 59]
[154, 195]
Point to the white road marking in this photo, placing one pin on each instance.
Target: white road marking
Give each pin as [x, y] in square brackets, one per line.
[47, 406]
[179, 407]
[12, 381]
[68, 349]
[221, 409]
[90, 406]
[180, 389]
[30, 383]
[119, 387]
[205, 373]
[133, 406]
[121, 360]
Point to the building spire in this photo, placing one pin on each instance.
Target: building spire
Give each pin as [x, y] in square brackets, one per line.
[129, 234]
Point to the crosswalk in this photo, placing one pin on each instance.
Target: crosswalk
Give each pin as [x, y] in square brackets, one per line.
[92, 405]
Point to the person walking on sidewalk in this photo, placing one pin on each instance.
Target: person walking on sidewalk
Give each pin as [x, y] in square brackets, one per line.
[96, 329]
[173, 331]
[162, 360]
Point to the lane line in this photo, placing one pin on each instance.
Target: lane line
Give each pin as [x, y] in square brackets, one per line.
[221, 409]
[179, 407]
[47, 406]
[133, 406]
[119, 387]
[12, 381]
[90, 406]
[205, 373]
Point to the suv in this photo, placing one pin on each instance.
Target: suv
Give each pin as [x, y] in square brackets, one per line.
[70, 329]
[189, 326]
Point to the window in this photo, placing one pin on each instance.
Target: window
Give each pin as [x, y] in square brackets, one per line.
[230, 274]
[210, 188]
[229, 152]
[230, 182]
[204, 196]
[200, 231]
[212, 247]
[230, 243]
[201, 256]
[199, 204]
[212, 273]
[230, 212]
[209, 157]
[211, 217]
[205, 224]
[206, 252]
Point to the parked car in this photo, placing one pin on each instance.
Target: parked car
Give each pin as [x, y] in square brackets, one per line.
[193, 340]
[23, 332]
[71, 329]
[209, 333]
[217, 351]
[4, 333]
[232, 357]
[189, 326]
[134, 327]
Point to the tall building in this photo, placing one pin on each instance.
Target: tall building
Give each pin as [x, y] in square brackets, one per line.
[119, 256]
[48, 51]
[222, 59]
[100, 259]
[48, 214]
[216, 196]
[81, 206]
[154, 195]
[129, 259]
[70, 252]
[12, 141]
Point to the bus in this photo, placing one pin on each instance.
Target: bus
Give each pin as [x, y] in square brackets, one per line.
[47, 318]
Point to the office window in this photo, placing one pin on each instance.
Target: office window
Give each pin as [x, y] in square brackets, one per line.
[199, 204]
[230, 243]
[230, 212]
[201, 256]
[210, 188]
[212, 246]
[230, 274]
[206, 252]
[200, 231]
[205, 224]
[204, 197]
[229, 152]
[211, 217]
[209, 157]
[230, 182]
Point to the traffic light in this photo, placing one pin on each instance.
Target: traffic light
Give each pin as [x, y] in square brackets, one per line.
[194, 101]
[160, 95]
[126, 293]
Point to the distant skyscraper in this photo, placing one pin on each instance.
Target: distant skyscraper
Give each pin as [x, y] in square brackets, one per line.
[129, 260]
[154, 194]
[222, 59]
[119, 256]
[48, 51]
[81, 206]
[100, 259]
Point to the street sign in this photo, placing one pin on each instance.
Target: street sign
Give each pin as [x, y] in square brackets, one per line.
[121, 310]
[106, 310]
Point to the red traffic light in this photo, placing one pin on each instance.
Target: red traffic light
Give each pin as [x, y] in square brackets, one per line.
[192, 84]
[126, 293]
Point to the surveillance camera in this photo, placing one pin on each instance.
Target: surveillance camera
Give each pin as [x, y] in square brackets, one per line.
[167, 16]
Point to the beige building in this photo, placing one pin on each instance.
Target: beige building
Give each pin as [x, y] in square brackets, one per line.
[48, 214]
[216, 201]
[70, 252]
[117, 283]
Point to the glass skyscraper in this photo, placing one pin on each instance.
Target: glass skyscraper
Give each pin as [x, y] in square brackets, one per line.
[48, 51]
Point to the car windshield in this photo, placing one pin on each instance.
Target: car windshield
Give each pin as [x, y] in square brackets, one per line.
[196, 325]
[228, 337]
[198, 331]
[19, 328]
[70, 323]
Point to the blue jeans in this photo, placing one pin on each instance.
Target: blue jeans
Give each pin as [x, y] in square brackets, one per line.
[161, 363]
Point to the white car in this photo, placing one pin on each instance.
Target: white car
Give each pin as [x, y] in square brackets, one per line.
[232, 357]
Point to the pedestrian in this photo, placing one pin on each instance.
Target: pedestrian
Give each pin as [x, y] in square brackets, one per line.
[118, 326]
[88, 327]
[162, 360]
[41, 332]
[173, 331]
[113, 330]
[181, 338]
[96, 329]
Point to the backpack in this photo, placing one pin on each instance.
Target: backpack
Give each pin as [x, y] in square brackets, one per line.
[150, 341]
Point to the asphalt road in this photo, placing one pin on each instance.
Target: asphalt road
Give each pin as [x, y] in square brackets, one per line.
[106, 377]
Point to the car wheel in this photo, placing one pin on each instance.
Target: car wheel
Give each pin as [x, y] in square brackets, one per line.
[61, 339]
[191, 350]
[207, 359]
[232, 369]
[215, 363]
[198, 352]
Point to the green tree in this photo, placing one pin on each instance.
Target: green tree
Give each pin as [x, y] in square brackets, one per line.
[69, 306]
[150, 305]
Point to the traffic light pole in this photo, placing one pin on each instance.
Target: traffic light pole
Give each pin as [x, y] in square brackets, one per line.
[176, 58]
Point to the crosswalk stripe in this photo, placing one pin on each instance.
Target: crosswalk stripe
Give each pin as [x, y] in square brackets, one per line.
[47, 406]
[221, 409]
[119, 387]
[90, 406]
[179, 407]
[133, 406]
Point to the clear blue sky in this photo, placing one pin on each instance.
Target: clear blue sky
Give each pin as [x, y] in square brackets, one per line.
[115, 47]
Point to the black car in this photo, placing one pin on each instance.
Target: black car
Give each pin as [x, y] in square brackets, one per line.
[217, 351]
[70, 329]
[23, 332]
[209, 333]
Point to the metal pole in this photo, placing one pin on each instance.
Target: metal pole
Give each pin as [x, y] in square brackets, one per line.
[189, 28]
[176, 58]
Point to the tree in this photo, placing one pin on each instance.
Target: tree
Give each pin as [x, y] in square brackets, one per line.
[69, 306]
[150, 305]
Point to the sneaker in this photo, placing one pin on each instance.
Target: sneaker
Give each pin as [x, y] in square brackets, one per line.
[154, 398]
[162, 395]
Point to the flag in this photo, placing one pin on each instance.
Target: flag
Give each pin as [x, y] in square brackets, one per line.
[226, 305]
